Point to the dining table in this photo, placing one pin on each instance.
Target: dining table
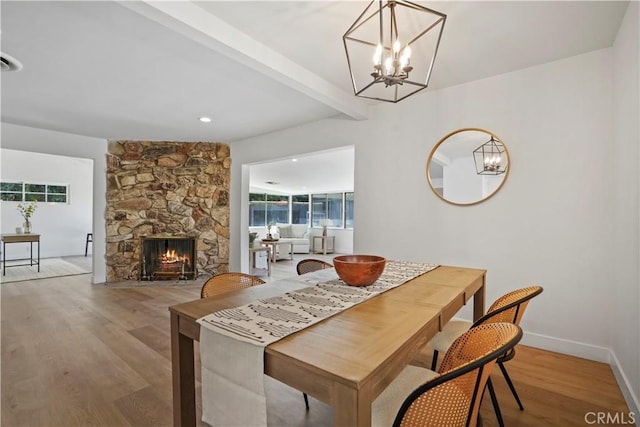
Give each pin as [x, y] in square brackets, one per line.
[345, 360]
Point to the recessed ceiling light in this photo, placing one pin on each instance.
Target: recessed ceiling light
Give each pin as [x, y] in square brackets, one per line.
[205, 119]
[294, 160]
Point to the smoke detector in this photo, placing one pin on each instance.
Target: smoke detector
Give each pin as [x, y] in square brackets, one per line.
[9, 63]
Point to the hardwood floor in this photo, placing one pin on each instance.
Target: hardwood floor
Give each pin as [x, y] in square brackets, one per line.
[80, 354]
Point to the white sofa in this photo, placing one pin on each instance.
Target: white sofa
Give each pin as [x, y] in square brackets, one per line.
[298, 234]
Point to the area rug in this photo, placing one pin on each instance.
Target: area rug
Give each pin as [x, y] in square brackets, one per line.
[49, 267]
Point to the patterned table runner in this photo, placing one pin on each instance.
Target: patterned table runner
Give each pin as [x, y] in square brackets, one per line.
[232, 341]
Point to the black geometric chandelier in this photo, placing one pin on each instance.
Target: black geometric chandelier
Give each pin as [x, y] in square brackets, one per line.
[489, 158]
[391, 49]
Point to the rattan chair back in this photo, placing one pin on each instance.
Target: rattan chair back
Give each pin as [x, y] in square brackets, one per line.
[227, 282]
[510, 307]
[308, 265]
[453, 398]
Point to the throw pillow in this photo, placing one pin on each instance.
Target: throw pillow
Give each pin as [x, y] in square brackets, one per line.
[285, 231]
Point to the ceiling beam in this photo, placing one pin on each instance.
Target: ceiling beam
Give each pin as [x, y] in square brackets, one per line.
[198, 24]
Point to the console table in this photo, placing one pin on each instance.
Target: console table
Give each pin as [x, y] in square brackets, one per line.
[20, 238]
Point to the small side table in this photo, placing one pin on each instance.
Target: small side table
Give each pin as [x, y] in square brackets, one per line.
[20, 238]
[324, 249]
[273, 244]
[252, 259]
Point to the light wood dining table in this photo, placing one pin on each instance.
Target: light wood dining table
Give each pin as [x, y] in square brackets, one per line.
[346, 360]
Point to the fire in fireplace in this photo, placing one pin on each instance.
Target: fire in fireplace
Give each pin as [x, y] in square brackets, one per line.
[168, 258]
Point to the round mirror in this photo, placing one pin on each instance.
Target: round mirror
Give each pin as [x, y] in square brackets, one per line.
[468, 166]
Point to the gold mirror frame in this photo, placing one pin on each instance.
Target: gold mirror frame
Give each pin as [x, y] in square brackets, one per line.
[450, 135]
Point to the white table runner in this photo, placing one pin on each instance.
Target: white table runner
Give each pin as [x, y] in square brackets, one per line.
[232, 341]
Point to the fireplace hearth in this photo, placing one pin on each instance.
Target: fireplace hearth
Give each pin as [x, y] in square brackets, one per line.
[168, 258]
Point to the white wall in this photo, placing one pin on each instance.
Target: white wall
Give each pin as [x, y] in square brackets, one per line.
[23, 138]
[63, 227]
[550, 224]
[624, 284]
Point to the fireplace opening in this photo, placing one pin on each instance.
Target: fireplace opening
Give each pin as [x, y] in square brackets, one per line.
[168, 258]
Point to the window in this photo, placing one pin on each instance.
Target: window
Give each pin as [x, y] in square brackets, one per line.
[332, 209]
[257, 210]
[57, 193]
[11, 191]
[348, 210]
[277, 209]
[27, 192]
[300, 209]
[326, 209]
[35, 192]
[265, 209]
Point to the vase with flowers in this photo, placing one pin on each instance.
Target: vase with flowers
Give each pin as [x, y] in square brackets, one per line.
[27, 211]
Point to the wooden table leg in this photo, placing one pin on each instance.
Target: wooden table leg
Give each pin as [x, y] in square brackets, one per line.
[478, 301]
[183, 374]
[352, 407]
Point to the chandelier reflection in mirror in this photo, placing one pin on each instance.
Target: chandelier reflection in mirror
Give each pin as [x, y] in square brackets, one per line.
[403, 39]
[489, 158]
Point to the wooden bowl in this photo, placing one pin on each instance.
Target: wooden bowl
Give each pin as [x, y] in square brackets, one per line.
[359, 270]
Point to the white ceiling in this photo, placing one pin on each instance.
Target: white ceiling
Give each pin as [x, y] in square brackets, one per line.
[148, 70]
[327, 171]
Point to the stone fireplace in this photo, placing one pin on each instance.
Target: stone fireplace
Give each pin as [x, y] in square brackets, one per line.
[162, 191]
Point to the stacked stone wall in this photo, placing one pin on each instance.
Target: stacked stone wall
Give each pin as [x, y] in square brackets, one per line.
[169, 189]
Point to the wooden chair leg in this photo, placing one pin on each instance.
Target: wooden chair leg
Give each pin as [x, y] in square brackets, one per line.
[494, 401]
[510, 384]
[434, 360]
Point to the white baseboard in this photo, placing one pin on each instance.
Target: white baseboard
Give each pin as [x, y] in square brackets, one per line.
[572, 348]
[591, 352]
[625, 386]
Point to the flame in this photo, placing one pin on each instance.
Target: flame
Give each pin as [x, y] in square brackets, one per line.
[172, 257]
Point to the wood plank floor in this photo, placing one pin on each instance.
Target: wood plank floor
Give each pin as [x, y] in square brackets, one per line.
[77, 354]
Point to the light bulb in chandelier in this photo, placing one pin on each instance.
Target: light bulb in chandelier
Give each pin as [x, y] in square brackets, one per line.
[377, 56]
[388, 65]
[396, 47]
[405, 60]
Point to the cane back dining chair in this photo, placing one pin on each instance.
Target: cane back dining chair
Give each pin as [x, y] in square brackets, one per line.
[508, 308]
[450, 397]
[303, 267]
[226, 282]
[310, 264]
